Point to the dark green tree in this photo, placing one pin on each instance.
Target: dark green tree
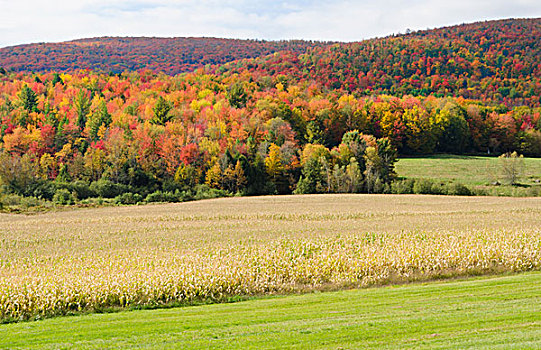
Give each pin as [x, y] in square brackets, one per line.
[455, 134]
[82, 106]
[63, 175]
[57, 79]
[100, 117]
[312, 179]
[237, 96]
[161, 111]
[29, 99]
[388, 154]
[357, 145]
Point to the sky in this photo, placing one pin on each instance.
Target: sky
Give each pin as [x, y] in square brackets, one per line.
[29, 21]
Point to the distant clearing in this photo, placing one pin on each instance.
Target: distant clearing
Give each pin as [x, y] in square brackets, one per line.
[469, 170]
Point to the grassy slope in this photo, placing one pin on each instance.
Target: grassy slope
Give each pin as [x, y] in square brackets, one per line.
[496, 312]
[464, 169]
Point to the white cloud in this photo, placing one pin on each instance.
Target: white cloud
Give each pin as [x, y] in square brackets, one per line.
[27, 21]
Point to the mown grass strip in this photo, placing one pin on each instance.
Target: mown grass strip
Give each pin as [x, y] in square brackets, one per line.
[491, 313]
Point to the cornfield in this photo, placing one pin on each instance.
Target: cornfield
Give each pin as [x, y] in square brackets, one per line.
[212, 251]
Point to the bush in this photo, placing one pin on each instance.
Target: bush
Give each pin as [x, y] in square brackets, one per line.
[205, 192]
[423, 186]
[128, 198]
[63, 197]
[11, 200]
[167, 196]
[402, 186]
[31, 202]
[44, 189]
[107, 189]
[427, 186]
[457, 189]
[171, 186]
[479, 191]
[80, 189]
[534, 191]
[437, 188]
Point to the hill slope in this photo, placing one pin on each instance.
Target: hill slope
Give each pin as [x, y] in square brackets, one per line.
[170, 55]
[496, 60]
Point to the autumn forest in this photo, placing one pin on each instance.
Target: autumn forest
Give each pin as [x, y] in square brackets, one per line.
[264, 118]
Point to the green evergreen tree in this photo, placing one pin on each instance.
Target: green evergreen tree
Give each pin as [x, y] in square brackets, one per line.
[237, 96]
[63, 175]
[29, 99]
[57, 79]
[100, 117]
[161, 111]
[312, 180]
[82, 106]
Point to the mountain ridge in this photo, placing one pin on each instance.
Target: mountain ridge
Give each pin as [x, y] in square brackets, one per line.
[171, 55]
[496, 62]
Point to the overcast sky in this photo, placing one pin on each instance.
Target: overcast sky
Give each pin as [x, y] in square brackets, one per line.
[28, 21]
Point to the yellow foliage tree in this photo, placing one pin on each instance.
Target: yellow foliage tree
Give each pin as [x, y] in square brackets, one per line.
[273, 162]
[214, 176]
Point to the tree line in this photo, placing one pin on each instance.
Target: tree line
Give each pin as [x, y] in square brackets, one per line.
[142, 135]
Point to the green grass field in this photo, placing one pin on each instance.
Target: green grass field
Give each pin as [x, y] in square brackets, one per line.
[469, 170]
[483, 313]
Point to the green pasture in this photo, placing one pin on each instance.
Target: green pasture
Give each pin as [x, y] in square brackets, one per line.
[468, 170]
[501, 312]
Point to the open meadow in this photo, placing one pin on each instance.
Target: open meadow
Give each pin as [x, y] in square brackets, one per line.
[225, 249]
[474, 171]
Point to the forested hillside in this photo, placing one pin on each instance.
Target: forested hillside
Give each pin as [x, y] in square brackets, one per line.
[268, 125]
[496, 61]
[142, 132]
[111, 54]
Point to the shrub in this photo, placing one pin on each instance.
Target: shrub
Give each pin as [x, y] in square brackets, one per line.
[534, 191]
[166, 196]
[479, 191]
[128, 198]
[44, 189]
[107, 189]
[31, 202]
[423, 186]
[437, 188]
[457, 189]
[11, 199]
[205, 192]
[63, 197]
[402, 186]
[82, 189]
